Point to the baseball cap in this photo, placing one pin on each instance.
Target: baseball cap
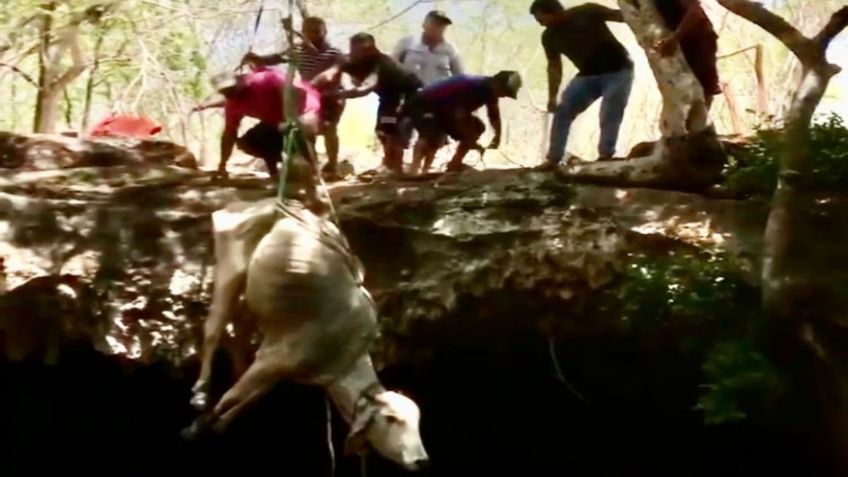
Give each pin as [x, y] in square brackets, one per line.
[439, 16]
[225, 80]
[511, 80]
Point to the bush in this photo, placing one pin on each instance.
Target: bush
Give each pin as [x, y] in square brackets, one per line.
[754, 169]
[705, 307]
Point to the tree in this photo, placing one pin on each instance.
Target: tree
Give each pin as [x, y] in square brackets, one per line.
[804, 288]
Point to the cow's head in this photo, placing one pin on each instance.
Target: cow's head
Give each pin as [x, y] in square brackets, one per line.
[390, 424]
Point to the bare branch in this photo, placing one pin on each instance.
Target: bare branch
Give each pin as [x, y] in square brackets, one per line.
[20, 72]
[772, 23]
[837, 23]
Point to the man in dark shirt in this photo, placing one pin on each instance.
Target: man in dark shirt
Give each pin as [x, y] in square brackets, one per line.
[693, 31]
[446, 108]
[604, 70]
[374, 72]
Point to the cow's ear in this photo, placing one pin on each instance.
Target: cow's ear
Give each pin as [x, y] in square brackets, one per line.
[355, 442]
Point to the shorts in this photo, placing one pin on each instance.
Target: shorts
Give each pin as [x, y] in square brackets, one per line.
[700, 50]
[262, 140]
[435, 127]
[392, 123]
[266, 142]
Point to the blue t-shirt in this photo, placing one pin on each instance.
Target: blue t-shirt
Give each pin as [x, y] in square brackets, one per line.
[465, 92]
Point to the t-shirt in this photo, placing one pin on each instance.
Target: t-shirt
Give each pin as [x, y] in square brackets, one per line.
[430, 64]
[464, 92]
[393, 80]
[311, 63]
[262, 99]
[673, 12]
[584, 38]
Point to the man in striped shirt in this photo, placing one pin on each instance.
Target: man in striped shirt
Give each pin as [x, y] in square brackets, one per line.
[314, 56]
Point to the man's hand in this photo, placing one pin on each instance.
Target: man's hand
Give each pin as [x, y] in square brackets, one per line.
[496, 143]
[666, 46]
[552, 106]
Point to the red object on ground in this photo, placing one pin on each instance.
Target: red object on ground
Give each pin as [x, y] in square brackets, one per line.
[126, 126]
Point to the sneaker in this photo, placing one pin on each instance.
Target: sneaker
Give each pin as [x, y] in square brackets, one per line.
[459, 168]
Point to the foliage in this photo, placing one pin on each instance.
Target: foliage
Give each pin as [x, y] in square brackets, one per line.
[706, 307]
[755, 169]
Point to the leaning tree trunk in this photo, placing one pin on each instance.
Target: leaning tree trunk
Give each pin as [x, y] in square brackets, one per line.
[803, 286]
[689, 155]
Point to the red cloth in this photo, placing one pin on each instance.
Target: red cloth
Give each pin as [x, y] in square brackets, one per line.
[127, 126]
[263, 99]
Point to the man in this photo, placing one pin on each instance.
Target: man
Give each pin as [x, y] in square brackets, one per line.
[693, 31]
[429, 55]
[375, 72]
[605, 71]
[260, 95]
[447, 108]
[314, 56]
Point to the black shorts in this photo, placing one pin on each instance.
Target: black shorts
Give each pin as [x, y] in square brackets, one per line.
[392, 122]
[263, 140]
[266, 142]
[436, 126]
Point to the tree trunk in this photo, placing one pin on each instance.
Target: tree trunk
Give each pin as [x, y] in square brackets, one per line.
[89, 86]
[689, 155]
[803, 286]
[43, 70]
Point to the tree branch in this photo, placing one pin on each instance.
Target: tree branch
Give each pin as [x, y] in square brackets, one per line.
[23, 74]
[772, 23]
[837, 23]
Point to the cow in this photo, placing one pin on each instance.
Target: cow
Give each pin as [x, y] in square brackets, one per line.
[294, 273]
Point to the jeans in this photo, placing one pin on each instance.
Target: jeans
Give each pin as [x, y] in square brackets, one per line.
[614, 88]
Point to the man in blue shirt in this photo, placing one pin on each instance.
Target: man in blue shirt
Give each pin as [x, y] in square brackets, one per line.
[446, 108]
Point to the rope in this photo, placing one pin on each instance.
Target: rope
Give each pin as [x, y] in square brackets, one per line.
[330, 436]
[558, 370]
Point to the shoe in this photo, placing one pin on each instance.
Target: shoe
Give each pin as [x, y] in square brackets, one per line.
[548, 166]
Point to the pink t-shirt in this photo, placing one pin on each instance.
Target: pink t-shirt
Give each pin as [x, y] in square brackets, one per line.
[263, 99]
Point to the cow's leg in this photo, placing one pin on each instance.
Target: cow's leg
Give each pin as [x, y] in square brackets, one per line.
[240, 347]
[267, 370]
[228, 287]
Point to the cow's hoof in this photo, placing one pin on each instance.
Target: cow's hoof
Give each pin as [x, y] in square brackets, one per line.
[199, 428]
[200, 400]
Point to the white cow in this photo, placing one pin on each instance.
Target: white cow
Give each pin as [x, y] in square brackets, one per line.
[304, 287]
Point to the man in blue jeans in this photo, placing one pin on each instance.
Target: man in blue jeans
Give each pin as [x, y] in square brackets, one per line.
[605, 71]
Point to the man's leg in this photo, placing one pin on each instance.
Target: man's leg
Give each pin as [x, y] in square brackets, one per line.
[616, 93]
[580, 93]
[468, 130]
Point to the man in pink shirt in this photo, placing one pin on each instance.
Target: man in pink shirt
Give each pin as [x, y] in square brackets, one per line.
[260, 95]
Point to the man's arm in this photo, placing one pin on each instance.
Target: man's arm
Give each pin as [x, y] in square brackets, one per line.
[666, 45]
[328, 77]
[266, 60]
[554, 70]
[493, 110]
[554, 82]
[218, 103]
[368, 86]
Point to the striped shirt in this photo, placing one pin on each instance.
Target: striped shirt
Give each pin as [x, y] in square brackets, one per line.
[312, 63]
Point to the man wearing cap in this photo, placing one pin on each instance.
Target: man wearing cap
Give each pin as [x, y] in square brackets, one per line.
[429, 55]
[605, 71]
[375, 72]
[446, 108]
[259, 95]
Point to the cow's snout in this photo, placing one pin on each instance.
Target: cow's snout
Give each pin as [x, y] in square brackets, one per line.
[422, 464]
